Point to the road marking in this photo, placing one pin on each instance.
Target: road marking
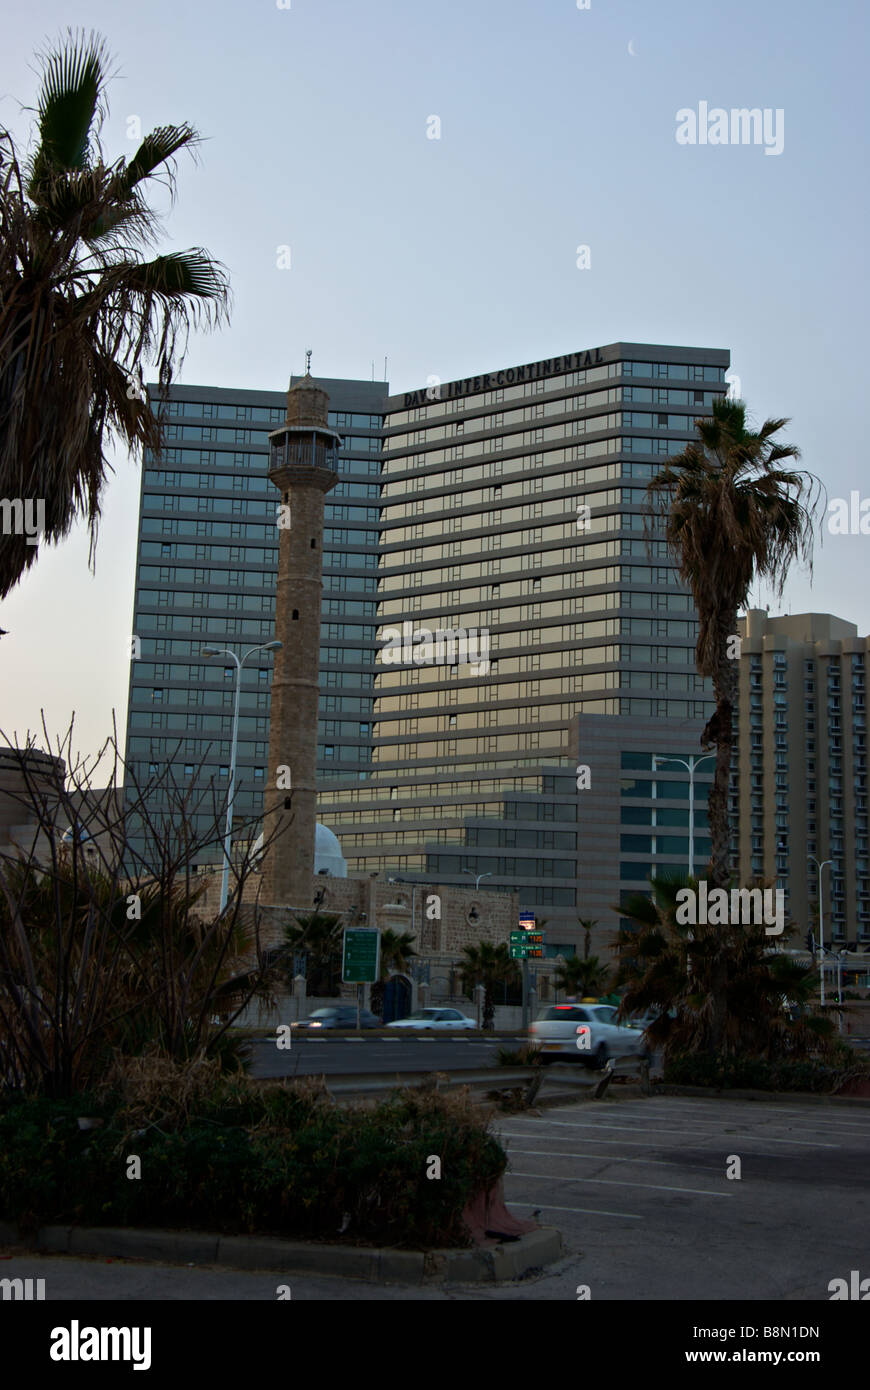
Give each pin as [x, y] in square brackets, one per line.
[771, 1112]
[659, 1129]
[615, 1158]
[587, 1211]
[614, 1182]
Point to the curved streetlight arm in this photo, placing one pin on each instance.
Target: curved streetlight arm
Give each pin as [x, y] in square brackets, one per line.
[694, 760]
[228, 830]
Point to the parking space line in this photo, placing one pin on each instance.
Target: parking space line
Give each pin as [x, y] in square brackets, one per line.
[827, 1122]
[585, 1211]
[657, 1129]
[615, 1158]
[615, 1182]
[760, 1107]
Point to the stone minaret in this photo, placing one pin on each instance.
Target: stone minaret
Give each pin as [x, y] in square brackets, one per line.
[302, 466]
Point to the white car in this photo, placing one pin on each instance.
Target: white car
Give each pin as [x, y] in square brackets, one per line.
[434, 1018]
[585, 1033]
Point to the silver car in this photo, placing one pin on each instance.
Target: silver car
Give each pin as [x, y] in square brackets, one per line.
[434, 1018]
[585, 1033]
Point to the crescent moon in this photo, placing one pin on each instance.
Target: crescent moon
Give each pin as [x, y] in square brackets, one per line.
[630, 49]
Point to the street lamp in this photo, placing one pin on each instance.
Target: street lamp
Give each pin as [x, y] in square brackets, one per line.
[477, 877]
[691, 764]
[225, 651]
[821, 866]
[413, 907]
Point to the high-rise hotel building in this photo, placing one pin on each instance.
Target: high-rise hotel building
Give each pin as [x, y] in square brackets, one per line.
[514, 504]
[511, 504]
[799, 782]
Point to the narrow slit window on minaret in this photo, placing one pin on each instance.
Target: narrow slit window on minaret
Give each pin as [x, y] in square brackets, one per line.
[313, 543]
[295, 614]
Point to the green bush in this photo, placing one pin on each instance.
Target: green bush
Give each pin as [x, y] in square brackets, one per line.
[518, 1056]
[754, 1073]
[280, 1160]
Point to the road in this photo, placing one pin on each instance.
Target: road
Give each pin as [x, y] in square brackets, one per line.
[377, 1055]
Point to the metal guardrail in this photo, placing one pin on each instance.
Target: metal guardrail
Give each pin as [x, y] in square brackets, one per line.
[371, 1083]
[486, 1079]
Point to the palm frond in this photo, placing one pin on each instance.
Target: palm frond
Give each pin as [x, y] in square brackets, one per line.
[157, 148]
[74, 78]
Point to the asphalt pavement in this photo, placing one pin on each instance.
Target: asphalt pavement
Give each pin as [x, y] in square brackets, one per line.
[312, 1057]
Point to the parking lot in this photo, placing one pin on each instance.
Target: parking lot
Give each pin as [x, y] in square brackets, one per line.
[639, 1190]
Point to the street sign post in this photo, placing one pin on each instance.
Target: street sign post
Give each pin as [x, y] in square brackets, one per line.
[360, 960]
[361, 953]
[525, 944]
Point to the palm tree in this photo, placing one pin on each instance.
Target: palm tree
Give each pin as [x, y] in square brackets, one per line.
[731, 514]
[396, 951]
[81, 312]
[587, 923]
[583, 976]
[318, 935]
[669, 968]
[487, 965]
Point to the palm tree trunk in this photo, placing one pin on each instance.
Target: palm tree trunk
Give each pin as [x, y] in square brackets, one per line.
[719, 731]
[488, 1007]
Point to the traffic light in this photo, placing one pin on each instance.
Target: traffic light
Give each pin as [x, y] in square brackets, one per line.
[811, 943]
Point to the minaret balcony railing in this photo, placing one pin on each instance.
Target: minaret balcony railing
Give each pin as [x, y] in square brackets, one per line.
[303, 450]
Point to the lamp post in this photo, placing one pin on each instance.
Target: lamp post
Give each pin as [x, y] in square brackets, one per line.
[477, 877]
[225, 651]
[691, 764]
[821, 866]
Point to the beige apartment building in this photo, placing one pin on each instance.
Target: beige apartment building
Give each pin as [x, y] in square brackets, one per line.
[799, 790]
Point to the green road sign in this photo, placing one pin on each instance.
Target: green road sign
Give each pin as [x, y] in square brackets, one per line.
[361, 954]
[527, 945]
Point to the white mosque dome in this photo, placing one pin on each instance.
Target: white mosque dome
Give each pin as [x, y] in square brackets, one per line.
[328, 857]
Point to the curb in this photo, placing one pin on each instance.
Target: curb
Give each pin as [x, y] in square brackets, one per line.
[727, 1093]
[487, 1264]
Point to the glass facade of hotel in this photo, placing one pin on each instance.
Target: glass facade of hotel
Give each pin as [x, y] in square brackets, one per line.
[514, 504]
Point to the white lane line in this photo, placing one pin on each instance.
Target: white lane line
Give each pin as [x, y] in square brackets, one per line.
[634, 1129]
[614, 1182]
[772, 1111]
[614, 1158]
[586, 1211]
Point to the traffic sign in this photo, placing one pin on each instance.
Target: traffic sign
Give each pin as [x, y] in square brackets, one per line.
[361, 955]
[528, 946]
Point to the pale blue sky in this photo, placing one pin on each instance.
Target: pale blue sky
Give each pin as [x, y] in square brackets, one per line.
[456, 256]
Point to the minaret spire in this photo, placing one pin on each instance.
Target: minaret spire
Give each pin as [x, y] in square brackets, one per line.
[303, 466]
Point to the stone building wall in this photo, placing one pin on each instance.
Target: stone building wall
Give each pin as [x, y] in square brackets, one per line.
[467, 916]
